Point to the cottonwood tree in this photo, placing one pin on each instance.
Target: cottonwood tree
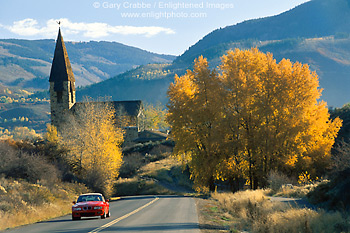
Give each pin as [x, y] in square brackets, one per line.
[94, 141]
[278, 117]
[155, 117]
[193, 116]
[51, 134]
[265, 117]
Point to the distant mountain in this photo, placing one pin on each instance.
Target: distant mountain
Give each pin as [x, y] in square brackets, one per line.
[317, 18]
[148, 83]
[27, 63]
[316, 32]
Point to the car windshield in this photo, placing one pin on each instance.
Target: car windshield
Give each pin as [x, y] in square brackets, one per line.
[85, 198]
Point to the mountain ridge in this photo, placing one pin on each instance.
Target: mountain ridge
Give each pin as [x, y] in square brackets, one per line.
[316, 18]
[27, 63]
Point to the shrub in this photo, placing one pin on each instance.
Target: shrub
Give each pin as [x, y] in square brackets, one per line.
[21, 165]
[334, 195]
[340, 158]
[131, 163]
[276, 180]
[160, 152]
[97, 181]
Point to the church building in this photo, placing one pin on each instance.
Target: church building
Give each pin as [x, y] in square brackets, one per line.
[63, 95]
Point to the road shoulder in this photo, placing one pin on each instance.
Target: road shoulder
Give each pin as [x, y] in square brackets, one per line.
[211, 218]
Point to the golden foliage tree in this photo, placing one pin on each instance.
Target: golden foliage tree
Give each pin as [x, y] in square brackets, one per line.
[51, 134]
[94, 141]
[264, 116]
[193, 116]
[155, 117]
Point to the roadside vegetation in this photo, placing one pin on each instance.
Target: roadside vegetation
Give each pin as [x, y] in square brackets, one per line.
[41, 176]
[253, 211]
[35, 184]
[151, 169]
[93, 143]
[310, 207]
[22, 202]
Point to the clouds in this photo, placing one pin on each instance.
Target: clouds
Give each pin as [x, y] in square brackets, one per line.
[31, 27]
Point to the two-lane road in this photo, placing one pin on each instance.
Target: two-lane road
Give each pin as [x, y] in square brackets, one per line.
[130, 214]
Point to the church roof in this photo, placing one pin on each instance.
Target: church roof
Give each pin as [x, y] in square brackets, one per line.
[61, 69]
[131, 107]
[125, 108]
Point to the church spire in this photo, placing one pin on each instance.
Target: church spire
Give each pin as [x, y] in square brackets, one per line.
[61, 69]
[62, 83]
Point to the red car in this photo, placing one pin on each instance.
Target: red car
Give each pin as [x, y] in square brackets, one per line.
[90, 205]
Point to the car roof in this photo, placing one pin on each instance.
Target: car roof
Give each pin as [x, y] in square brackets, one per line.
[85, 194]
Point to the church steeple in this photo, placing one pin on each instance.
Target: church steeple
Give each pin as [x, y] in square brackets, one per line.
[62, 83]
[61, 69]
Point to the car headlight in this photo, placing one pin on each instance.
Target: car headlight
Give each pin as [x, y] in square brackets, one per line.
[76, 208]
[97, 207]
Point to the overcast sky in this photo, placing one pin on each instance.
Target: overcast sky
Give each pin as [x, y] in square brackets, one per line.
[168, 27]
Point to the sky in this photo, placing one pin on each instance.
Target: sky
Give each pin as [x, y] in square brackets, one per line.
[160, 26]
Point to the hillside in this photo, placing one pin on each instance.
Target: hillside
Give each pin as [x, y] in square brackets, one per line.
[27, 63]
[317, 18]
[328, 56]
[148, 83]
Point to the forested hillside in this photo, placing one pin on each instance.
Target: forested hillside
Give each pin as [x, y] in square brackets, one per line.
[27, 63]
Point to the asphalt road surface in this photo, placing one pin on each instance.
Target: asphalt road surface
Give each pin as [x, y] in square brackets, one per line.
[130, 214]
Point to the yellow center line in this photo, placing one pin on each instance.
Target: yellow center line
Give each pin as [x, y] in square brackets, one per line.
[123, 217]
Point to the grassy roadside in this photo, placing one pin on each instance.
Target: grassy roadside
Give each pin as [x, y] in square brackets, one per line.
[24, 203]
[253, 211]
[163, 176]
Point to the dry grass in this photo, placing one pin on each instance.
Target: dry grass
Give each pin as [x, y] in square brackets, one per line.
[252, 211]
[23, 203]
[34, 214]
[211, 218]
[138, 186]
[164, 176]
[151, 169]
[303, 220]
[294, 191]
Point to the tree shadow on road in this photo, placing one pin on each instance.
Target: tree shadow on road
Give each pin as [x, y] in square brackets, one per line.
[68, 220]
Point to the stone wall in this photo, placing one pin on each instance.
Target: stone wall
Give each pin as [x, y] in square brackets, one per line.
[60, 102]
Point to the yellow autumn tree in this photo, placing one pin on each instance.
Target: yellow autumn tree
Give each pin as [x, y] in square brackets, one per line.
[278, 117]
[193, 115]
[94, 141]
[51, 134]
[266, 116]
[155, 117]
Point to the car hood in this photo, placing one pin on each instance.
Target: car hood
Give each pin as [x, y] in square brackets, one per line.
[88, 203]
